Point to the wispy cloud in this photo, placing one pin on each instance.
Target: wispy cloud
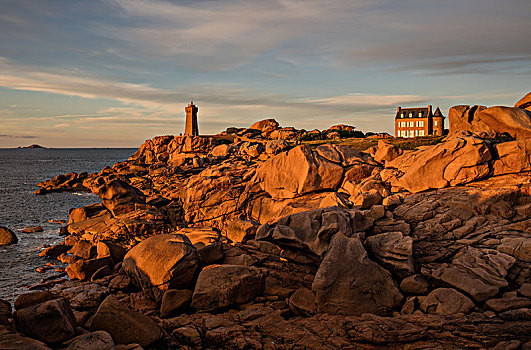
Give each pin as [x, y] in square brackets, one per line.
[18, 136]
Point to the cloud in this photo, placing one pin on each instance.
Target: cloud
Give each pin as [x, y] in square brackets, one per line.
[18, 136]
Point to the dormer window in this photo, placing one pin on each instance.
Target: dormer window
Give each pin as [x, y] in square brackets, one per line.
[411, 114]
[420, 114]
[402, 115]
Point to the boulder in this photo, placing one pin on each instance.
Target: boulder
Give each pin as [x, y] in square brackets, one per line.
[174, 300]
[276, 146]
[478, 272]
[349, 283]
[51, 321]
[513, 157]
[120, 197]
[524, 102]
[311, 230]
[84, 269]
[252, 149]
[394, 251]
[302, 302]
[508, 303]
[224, 285]
[115, 251]
[99, 340]
[386, 152]
[459, 160]
[7, 236]
[265, 125]
[9, 340]
[83, 249]
[161, 262]
[125, 326]
[460, 117]
[446, 301]
[238, 231]
[491, 121]
[415, 284]
[33, 298]
[297, 172]
[55, 250]
[222, 151]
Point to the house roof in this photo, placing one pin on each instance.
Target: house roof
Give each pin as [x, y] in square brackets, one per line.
[415, 112]
[438, 113]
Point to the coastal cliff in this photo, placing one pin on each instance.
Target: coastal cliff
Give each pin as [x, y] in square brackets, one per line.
[248, 239]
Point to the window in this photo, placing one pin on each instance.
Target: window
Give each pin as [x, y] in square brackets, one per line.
[411, 134]
[421, 132]
[435, 123]
[420, 114]
[402, 115]
[420, 123]
[411, 114]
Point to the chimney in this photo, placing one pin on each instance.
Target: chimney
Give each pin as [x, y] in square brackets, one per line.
[397, 109]
[429, 109]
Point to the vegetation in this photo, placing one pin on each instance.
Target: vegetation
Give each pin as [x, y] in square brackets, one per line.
[363, 143]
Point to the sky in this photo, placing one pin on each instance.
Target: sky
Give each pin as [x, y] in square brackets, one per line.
[113, 73]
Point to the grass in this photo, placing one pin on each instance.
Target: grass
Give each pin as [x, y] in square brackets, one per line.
[363, 143]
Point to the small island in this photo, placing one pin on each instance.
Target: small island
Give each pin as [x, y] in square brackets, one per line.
[32, 146]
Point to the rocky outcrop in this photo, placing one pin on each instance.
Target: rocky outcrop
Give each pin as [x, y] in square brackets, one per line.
[7, 236]
[491, 121]
[160, 263]
[446, 301]
[524, 102]
[349, 283]
[461, 159]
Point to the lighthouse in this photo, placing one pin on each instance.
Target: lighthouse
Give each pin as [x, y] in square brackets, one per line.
[191, 128]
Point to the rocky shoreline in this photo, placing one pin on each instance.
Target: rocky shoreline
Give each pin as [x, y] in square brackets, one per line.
[247, 240]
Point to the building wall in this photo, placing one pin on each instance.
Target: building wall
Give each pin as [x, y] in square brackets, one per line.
[438, 126]
[412, 127]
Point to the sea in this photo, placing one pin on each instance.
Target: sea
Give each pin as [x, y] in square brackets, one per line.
[20, 171]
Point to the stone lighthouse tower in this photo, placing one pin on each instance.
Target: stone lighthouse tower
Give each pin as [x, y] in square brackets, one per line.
[191, 128]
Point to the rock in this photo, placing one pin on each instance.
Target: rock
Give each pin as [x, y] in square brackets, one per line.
[174, 300]
[446, 301]
[33, 298]
[276, 146]
[459, 160]
[115, 251]
[461, 117]
[302, 302]
[386, 152]
[504, 304]
[499, 120]
[238, 231]
[334, 199]
[99, 340]
[51, 321]
[524, 102]
[394, 251]
[252, 149]
[161, 262]
[206, 241]
[415, 284]
[365, 200]
[120, 197]
[478, 272]
[55, 250]
[265, 125]
[32, 229]
[5, 312]
[525, 290]
[83, 249]
[85, 296]
[349, 283]
[223, 285]
[311, 230]
[384, 331]
[125, 326]
[84, 269]
[7, 236]
[518, 247]
[9, 340]
[222, 150]
[297, 172]
[513, 157]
